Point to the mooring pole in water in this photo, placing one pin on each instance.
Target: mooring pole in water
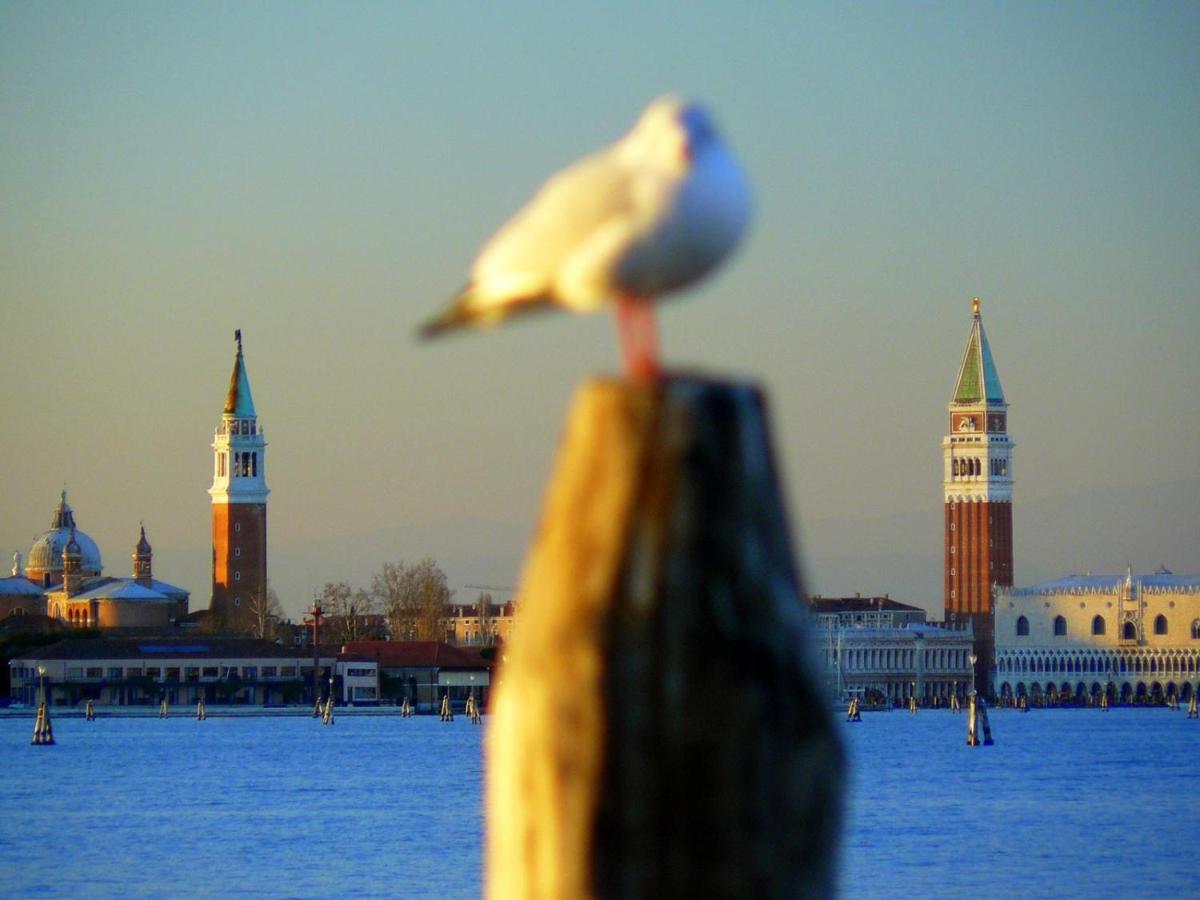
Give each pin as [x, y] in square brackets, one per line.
[164, 707]
[201, 712]
[1192, 710]
[89, 712]
[654, 729]
[43, 731]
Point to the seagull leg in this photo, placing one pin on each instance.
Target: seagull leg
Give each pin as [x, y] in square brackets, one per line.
[638, 331]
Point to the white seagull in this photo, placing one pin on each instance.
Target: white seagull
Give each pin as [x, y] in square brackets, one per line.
[650, 214]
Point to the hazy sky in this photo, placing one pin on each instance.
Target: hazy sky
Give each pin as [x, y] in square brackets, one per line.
[322, 175]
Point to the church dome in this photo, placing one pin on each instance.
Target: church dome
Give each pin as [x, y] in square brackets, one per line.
[46, 555]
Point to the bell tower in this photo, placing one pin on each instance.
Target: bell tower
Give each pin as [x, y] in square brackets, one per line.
[977, 482]
[239, 504]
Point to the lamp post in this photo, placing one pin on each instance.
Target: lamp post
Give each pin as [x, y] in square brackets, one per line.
[316, 613]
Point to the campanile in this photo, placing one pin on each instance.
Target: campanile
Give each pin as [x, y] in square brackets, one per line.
[239, 504]
[977, 483]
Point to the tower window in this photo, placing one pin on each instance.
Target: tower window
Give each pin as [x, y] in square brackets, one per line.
[237, 576]
[221, 465]
[237, 526]
[254, 465]
[237, 551]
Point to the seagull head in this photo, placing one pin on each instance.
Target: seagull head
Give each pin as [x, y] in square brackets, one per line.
[672, 132]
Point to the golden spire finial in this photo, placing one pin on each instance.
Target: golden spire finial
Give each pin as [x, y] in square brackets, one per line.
[975, 306]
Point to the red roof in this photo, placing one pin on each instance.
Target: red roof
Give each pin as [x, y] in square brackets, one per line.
[417, 655]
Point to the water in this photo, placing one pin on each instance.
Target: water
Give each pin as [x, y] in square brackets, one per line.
[1069, 803]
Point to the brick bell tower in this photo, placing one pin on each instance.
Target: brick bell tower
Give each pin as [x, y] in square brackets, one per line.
[239, 504]
[977, 484]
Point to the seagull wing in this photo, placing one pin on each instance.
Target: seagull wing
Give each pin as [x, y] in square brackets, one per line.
[519, 268]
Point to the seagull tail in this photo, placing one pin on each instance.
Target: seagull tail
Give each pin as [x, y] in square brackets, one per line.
[466, 312]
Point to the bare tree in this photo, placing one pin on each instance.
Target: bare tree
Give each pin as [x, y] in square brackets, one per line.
[484, 605]
[264, 613]
[414, 599]
[349, 612]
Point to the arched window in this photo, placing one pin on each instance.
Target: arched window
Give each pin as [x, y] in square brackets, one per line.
[1060, 626]
[1129, 631]
[1022, 626]
[1160, 624]
[1098, 625]
[954, 467]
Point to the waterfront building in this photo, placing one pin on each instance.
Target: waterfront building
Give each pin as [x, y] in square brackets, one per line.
[426, 670]
[480, 624]
[65, 580]
[883, 651]
[977, 486]
[1071, 639]
[130, 671]
[239, 507]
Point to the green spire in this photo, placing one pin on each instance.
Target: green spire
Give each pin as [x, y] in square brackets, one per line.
[978, 381]
[238, 402]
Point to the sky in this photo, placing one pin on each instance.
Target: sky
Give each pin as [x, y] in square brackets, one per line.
[322, 175]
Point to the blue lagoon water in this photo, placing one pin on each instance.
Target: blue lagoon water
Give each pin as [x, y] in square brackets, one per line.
[1070, 803]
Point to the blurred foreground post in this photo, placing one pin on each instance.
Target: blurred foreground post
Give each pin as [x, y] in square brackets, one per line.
[656, 729]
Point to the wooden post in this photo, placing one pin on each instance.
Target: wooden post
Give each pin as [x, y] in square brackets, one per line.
[657, 728]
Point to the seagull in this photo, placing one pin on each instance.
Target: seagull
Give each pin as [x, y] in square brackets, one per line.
[651, 214]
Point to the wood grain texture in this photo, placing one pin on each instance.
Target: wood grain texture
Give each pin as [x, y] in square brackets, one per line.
[656, 728]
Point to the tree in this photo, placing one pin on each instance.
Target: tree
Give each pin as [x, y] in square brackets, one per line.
[414, 599]
[264, 613]
[348, 612]
[484, 605]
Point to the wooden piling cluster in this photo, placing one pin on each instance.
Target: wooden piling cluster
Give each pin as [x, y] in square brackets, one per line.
[656, 727]
[406, 708]
[853, 714]
[164, 708]
[327, 714]
[89, 712]
[201, 710]
[473, 710]
[43, 731]
[1192, 709]
[977, 720]
[955, 705]
[446, 714]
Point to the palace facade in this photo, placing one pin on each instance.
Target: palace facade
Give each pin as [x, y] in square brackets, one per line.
[1070, 640]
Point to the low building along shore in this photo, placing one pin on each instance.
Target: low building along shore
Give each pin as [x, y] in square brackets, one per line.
[884, 652]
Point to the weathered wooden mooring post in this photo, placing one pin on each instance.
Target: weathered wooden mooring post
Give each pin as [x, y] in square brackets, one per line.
[853, 714]
[1192, 709]
[201, 711]
[43, 731]
[656, 727]
[164, 708]
[89, 712]
[446, 714]
[405, 708]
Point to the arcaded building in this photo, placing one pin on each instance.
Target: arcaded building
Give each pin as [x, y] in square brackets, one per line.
[1071, 639]
[977, 486]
